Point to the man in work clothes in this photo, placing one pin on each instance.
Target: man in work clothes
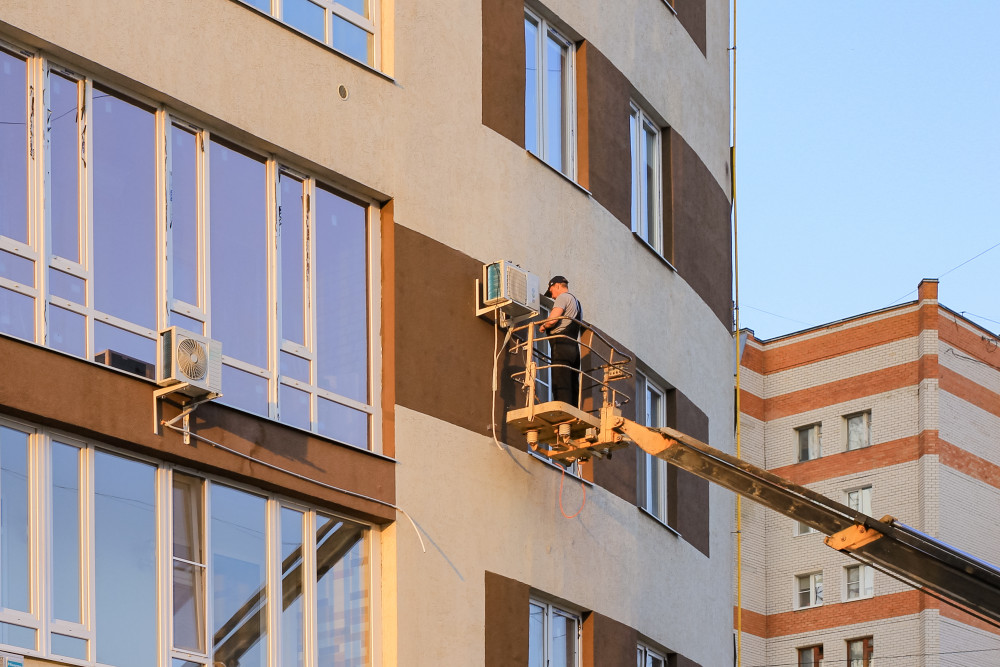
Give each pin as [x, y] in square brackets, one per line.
[565, 351]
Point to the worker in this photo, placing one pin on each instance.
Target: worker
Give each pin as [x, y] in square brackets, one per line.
[564, 348]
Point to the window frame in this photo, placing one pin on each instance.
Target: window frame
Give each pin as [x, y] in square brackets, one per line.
[867, 645]
[810, 656]
[549, 609]
[803, 529]
[799, 430]
[650, 231]
[644, 653]
[866, 416]
[815, 589]
[39, 249]
[859, 499]
[569, 130]
[650, 468]
[40, 441]
[865, 582]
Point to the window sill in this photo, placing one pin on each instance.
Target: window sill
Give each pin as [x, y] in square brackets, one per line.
[559, 173]
[858, 599]
[658, 520]
[654, 251]
[812, 606]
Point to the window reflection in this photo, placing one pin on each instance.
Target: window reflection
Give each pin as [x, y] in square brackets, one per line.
[14, 538]
[291, 239]
[66, 533]
[305, 16]
[341, 593]
[189, 564]
[17, 314]
[239, 562]
[64, 156]
[13, 148]
[183, 203]
[292, 584]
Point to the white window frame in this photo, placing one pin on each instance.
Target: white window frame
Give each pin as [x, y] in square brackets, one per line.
[652, 468]
[860, 499]
[40, 440]
[644, 656]
[38, 248]
[865, 582]
[649, 230]
[548, 611]
[817, 428]
[568, 92]
[814, 584]
[804, 529]
[866, 417]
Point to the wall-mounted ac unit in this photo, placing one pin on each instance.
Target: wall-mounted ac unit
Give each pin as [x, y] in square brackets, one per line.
[186, 357]
[510, 288]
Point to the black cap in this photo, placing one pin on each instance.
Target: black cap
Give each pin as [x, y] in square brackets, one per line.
[555, 281]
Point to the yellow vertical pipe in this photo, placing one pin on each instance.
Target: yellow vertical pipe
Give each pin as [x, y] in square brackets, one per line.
[736, 311]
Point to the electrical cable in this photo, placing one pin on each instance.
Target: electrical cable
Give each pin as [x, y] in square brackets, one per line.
[995, 245]
[582, 504]
[299, 476]
[497, 351]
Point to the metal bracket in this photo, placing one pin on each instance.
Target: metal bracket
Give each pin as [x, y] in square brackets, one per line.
[184, 415]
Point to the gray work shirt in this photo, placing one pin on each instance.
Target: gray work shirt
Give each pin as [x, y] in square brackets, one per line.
[571, 308]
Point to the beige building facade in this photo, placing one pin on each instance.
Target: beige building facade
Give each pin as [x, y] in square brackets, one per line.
[892, 413]
[317, 184]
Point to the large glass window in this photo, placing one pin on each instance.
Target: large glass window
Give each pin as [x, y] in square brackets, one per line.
[647, 657]
[349, 26]
[553, 636]
[652, 470]
[149, 221]
[859, 433]
[549, 113]
[809, 590]
[647, 218]
[210, 563]
[860, 652]
[808, 441]
[859, 582]
[810, 656]
[860, 500]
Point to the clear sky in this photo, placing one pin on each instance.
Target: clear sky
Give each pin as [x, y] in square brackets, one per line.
[868, 140]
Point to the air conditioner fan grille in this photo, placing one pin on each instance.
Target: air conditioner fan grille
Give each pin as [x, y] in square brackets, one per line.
[192, 358]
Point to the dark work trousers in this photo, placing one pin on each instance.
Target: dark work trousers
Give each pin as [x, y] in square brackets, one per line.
[565, 371]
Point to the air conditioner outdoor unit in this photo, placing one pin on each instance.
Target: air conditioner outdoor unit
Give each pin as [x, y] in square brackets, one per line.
[186, 357]
[510, 288]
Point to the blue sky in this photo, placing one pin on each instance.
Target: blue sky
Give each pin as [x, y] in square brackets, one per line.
[868, 140]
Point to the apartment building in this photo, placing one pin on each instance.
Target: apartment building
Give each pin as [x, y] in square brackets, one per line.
[316, 185]
[893, 412]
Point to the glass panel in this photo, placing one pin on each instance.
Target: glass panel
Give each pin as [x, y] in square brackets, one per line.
[13, 148]
[185, 322]
[245, 391]
[187, 513]
[531, 86]
[563, 641]
[356, 6]
[67, 331]
[293, 406]
[341, 593]
[650, 188]
[184, 215]
[342, 423]
[64, 162]
[16, 268]
[294, 367]
[239, 558]
[66, 537]
[17, 314]
[17, 635]
[125, 561]
[68, 287]
[352, 40]
[124, 172]
[536, 635]
[305, 16]
[292, 582]
[71, 647]
[857, 432]
[291, 228]
[135, 353]
[263, 5]
[177, 662]
[633, 129]
[15, 570]
[853, 583]
[189, 606]
[341, 296]
[239, 255]
[555, 123]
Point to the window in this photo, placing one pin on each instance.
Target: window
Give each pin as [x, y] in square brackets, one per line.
[652, 470]
[346, 25]
[810, 656]
[808, 438]
[804, 528]
[858, 430]
[150, 222]
[647, 657]
[809, 590]
[553, 636]
[138, 546]
[647, 220]
[549, 97]
[543, 357]
[860, 500]
[860, 652]
[860, 582]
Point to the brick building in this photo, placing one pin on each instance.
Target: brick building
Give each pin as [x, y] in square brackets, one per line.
[317, 185]
[892, 412]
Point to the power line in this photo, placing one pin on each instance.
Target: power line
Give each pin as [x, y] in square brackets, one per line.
[880, 659]
[995, 245]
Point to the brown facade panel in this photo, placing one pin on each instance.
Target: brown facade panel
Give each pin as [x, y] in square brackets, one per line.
[607, 642]
[79, 397]
[503, 68]
[701, 229]
[603, 95]
[506, 630]
[692, 15]
[690, 512]
[388, 328]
